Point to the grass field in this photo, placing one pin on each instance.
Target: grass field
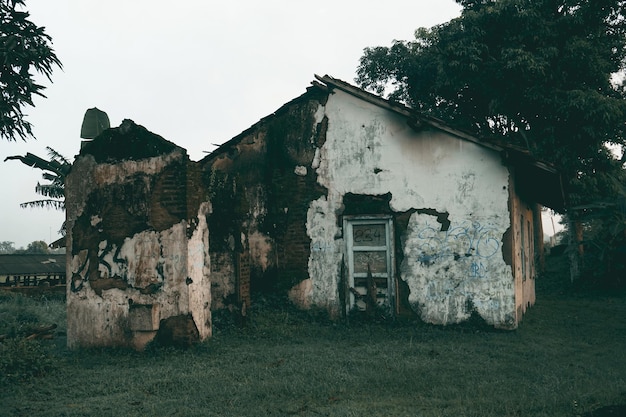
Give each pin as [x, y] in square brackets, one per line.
[568, 358]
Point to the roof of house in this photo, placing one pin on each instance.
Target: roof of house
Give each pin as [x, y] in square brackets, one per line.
[537, 180]
[29, 264]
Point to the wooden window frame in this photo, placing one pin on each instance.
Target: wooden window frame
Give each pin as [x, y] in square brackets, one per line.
[389, 248]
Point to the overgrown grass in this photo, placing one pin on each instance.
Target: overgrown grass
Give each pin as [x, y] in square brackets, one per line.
[20, 314]
[568, 358]
[21, 358]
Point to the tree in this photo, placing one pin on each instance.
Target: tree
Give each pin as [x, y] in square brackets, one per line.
[36, 247]
[7, 247]
[55, 171]
[538, 73]
[23, 46]
[547, 75]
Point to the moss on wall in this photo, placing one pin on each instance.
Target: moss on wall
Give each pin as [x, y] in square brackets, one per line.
[262, 182]
[230, 210]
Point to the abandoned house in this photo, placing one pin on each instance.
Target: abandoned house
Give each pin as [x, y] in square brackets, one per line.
[339, 200]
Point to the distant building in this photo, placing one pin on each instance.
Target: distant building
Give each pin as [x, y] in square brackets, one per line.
[24, 270]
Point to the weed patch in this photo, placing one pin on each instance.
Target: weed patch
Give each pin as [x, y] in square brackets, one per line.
[22, 359]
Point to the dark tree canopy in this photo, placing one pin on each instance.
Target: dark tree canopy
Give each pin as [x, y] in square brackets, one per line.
[23, 47]
[537, 73]
[547, 75]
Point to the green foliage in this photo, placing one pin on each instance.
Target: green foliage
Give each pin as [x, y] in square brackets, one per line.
[23, 46]
[54, 170]
[546, 75]
[22, 359]
[19, 315]
[534, 73]
[7, 247]
[564, 360]
[35, 247]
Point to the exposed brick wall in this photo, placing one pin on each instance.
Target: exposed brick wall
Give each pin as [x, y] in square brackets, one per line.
[267, 155]
[289, 205]
[128, 212]
[223, 279]
[168, 202]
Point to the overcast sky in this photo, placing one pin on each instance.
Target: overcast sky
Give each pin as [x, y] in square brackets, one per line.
[195, 72]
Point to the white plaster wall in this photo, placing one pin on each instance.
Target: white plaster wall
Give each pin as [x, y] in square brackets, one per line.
[178, 265]
[95, 320]
[199, 273]
[369, 150]
[326, 253]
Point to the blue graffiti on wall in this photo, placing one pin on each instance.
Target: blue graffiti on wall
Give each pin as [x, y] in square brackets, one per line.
[477, 270]
[470, 243]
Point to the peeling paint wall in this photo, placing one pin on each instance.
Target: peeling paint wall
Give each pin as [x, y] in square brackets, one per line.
[155, 241]
[450, 273]
[281, 190]
[290, 180]
[136, 256]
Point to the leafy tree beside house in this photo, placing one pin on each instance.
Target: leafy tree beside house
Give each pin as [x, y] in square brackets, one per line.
[543, 74]
[24, 46]
[56, 168]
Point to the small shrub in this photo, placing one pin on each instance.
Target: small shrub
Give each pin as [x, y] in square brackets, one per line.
[22, 359]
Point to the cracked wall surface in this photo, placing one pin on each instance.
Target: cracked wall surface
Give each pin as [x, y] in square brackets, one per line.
[137, 249]
[260, 185]
[450, 271]
[281, 189]
[156, 241]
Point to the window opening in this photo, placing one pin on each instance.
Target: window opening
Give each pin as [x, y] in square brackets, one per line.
[370, 259]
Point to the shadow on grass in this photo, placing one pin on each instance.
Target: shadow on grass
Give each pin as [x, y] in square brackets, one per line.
[608, 411]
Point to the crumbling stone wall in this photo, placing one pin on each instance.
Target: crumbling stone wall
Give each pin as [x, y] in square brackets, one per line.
[260, 185]
[276, 200]
[281, 189]
[137, 241]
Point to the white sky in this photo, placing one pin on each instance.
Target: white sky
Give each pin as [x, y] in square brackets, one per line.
[195, 72]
